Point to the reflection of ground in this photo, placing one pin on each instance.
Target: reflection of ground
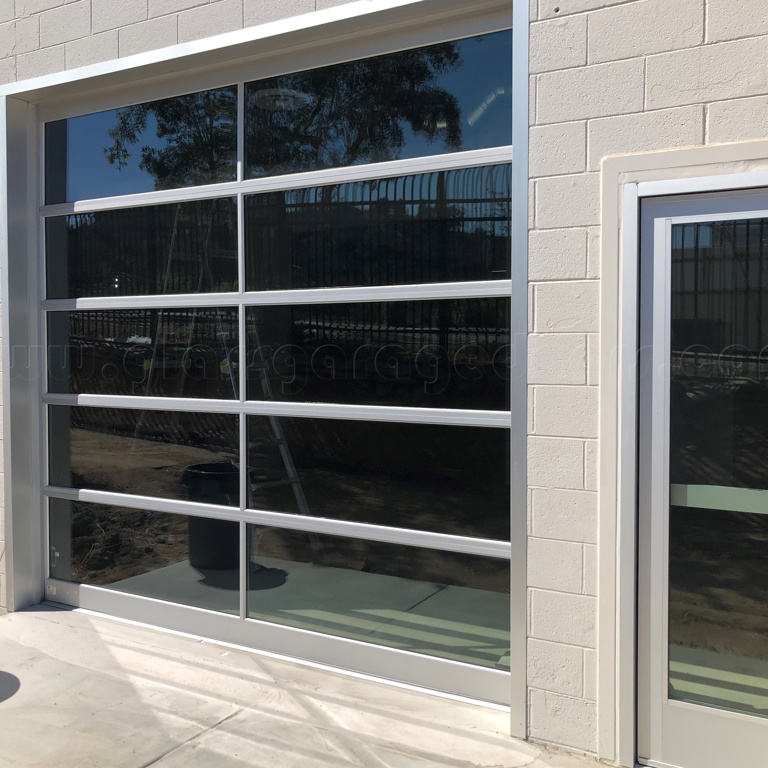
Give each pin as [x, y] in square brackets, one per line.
[458, 623]
[718, 608]
[125, 464]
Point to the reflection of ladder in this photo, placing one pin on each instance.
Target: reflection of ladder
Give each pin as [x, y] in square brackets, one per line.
[274, 421]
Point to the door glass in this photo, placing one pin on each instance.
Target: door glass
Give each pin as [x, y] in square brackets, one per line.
[718, 545]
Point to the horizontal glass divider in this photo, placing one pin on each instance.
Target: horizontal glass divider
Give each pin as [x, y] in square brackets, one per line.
[410, 537]
[357, 294]
[324, 177]
[346, 295]
[501, 550]
[720, 497]
[174, 301]
[150, 503]
[496, 419]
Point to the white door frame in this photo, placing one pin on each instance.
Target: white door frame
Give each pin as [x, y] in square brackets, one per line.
[625, 181]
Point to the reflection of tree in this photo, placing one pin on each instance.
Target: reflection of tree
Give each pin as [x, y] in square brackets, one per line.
[351, 113]
[334, 116]
[199, 132]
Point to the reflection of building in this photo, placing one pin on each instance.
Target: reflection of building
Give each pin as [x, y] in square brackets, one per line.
[294, 329]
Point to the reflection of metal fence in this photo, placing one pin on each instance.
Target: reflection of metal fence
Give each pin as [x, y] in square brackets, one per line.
[203, 430]
[720, 287]
[443, 226]
[179, 248]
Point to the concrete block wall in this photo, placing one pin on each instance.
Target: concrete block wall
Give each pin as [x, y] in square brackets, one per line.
[38, 37]
[607, 77]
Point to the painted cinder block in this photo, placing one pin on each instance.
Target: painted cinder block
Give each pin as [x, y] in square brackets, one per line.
[558, 44]
[43, 62]
[555, 667]
[599, 90]
[564, 618]
[107, 14]
[737, 120]
[568, 201]
[556, 565]
[707, 73]
[148, 35]
[572, 307]
[643, 28]
[559, 149]
[557, 254]
[163, 7]
[729, 21]
[664, 129]
[555, 463]
[564, 720]
[564, 514]
[208, 20]
[69, 22]
[566, 411]
[557, 358]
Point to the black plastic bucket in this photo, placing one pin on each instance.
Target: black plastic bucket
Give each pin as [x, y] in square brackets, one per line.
[213, 544]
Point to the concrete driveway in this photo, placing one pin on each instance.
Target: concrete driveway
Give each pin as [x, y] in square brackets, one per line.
[82, 691]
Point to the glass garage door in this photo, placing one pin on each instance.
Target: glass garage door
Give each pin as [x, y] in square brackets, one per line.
[278, 350]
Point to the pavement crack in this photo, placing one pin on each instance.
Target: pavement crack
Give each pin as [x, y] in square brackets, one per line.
[192, 739]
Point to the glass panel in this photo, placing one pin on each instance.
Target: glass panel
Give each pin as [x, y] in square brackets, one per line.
[437, 478]
[158, 352]
[422, 600]
[167, 454]
[441, 354]
[424, 101]
[718, 569]
[180, 142]
[159, 249]
[718, 609]
[446, 226]
[189, 560]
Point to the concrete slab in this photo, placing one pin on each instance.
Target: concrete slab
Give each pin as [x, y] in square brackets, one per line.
[83, 691]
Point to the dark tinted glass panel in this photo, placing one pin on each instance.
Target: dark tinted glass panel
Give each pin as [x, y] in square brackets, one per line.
[158, 352]
[421, 600]
[718, 608]
[443, 354]
[160, 249]
[437, 478]
[718, 526]
[719, 383]
[180, 142]
[171, 455]
[424, 101]
[446, 226]
[188, 560]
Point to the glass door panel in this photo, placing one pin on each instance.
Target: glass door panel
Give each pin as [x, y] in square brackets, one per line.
[703, 490]
[718, 527]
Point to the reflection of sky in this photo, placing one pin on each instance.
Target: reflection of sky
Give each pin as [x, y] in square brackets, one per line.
[89, 173]
[486, 64]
